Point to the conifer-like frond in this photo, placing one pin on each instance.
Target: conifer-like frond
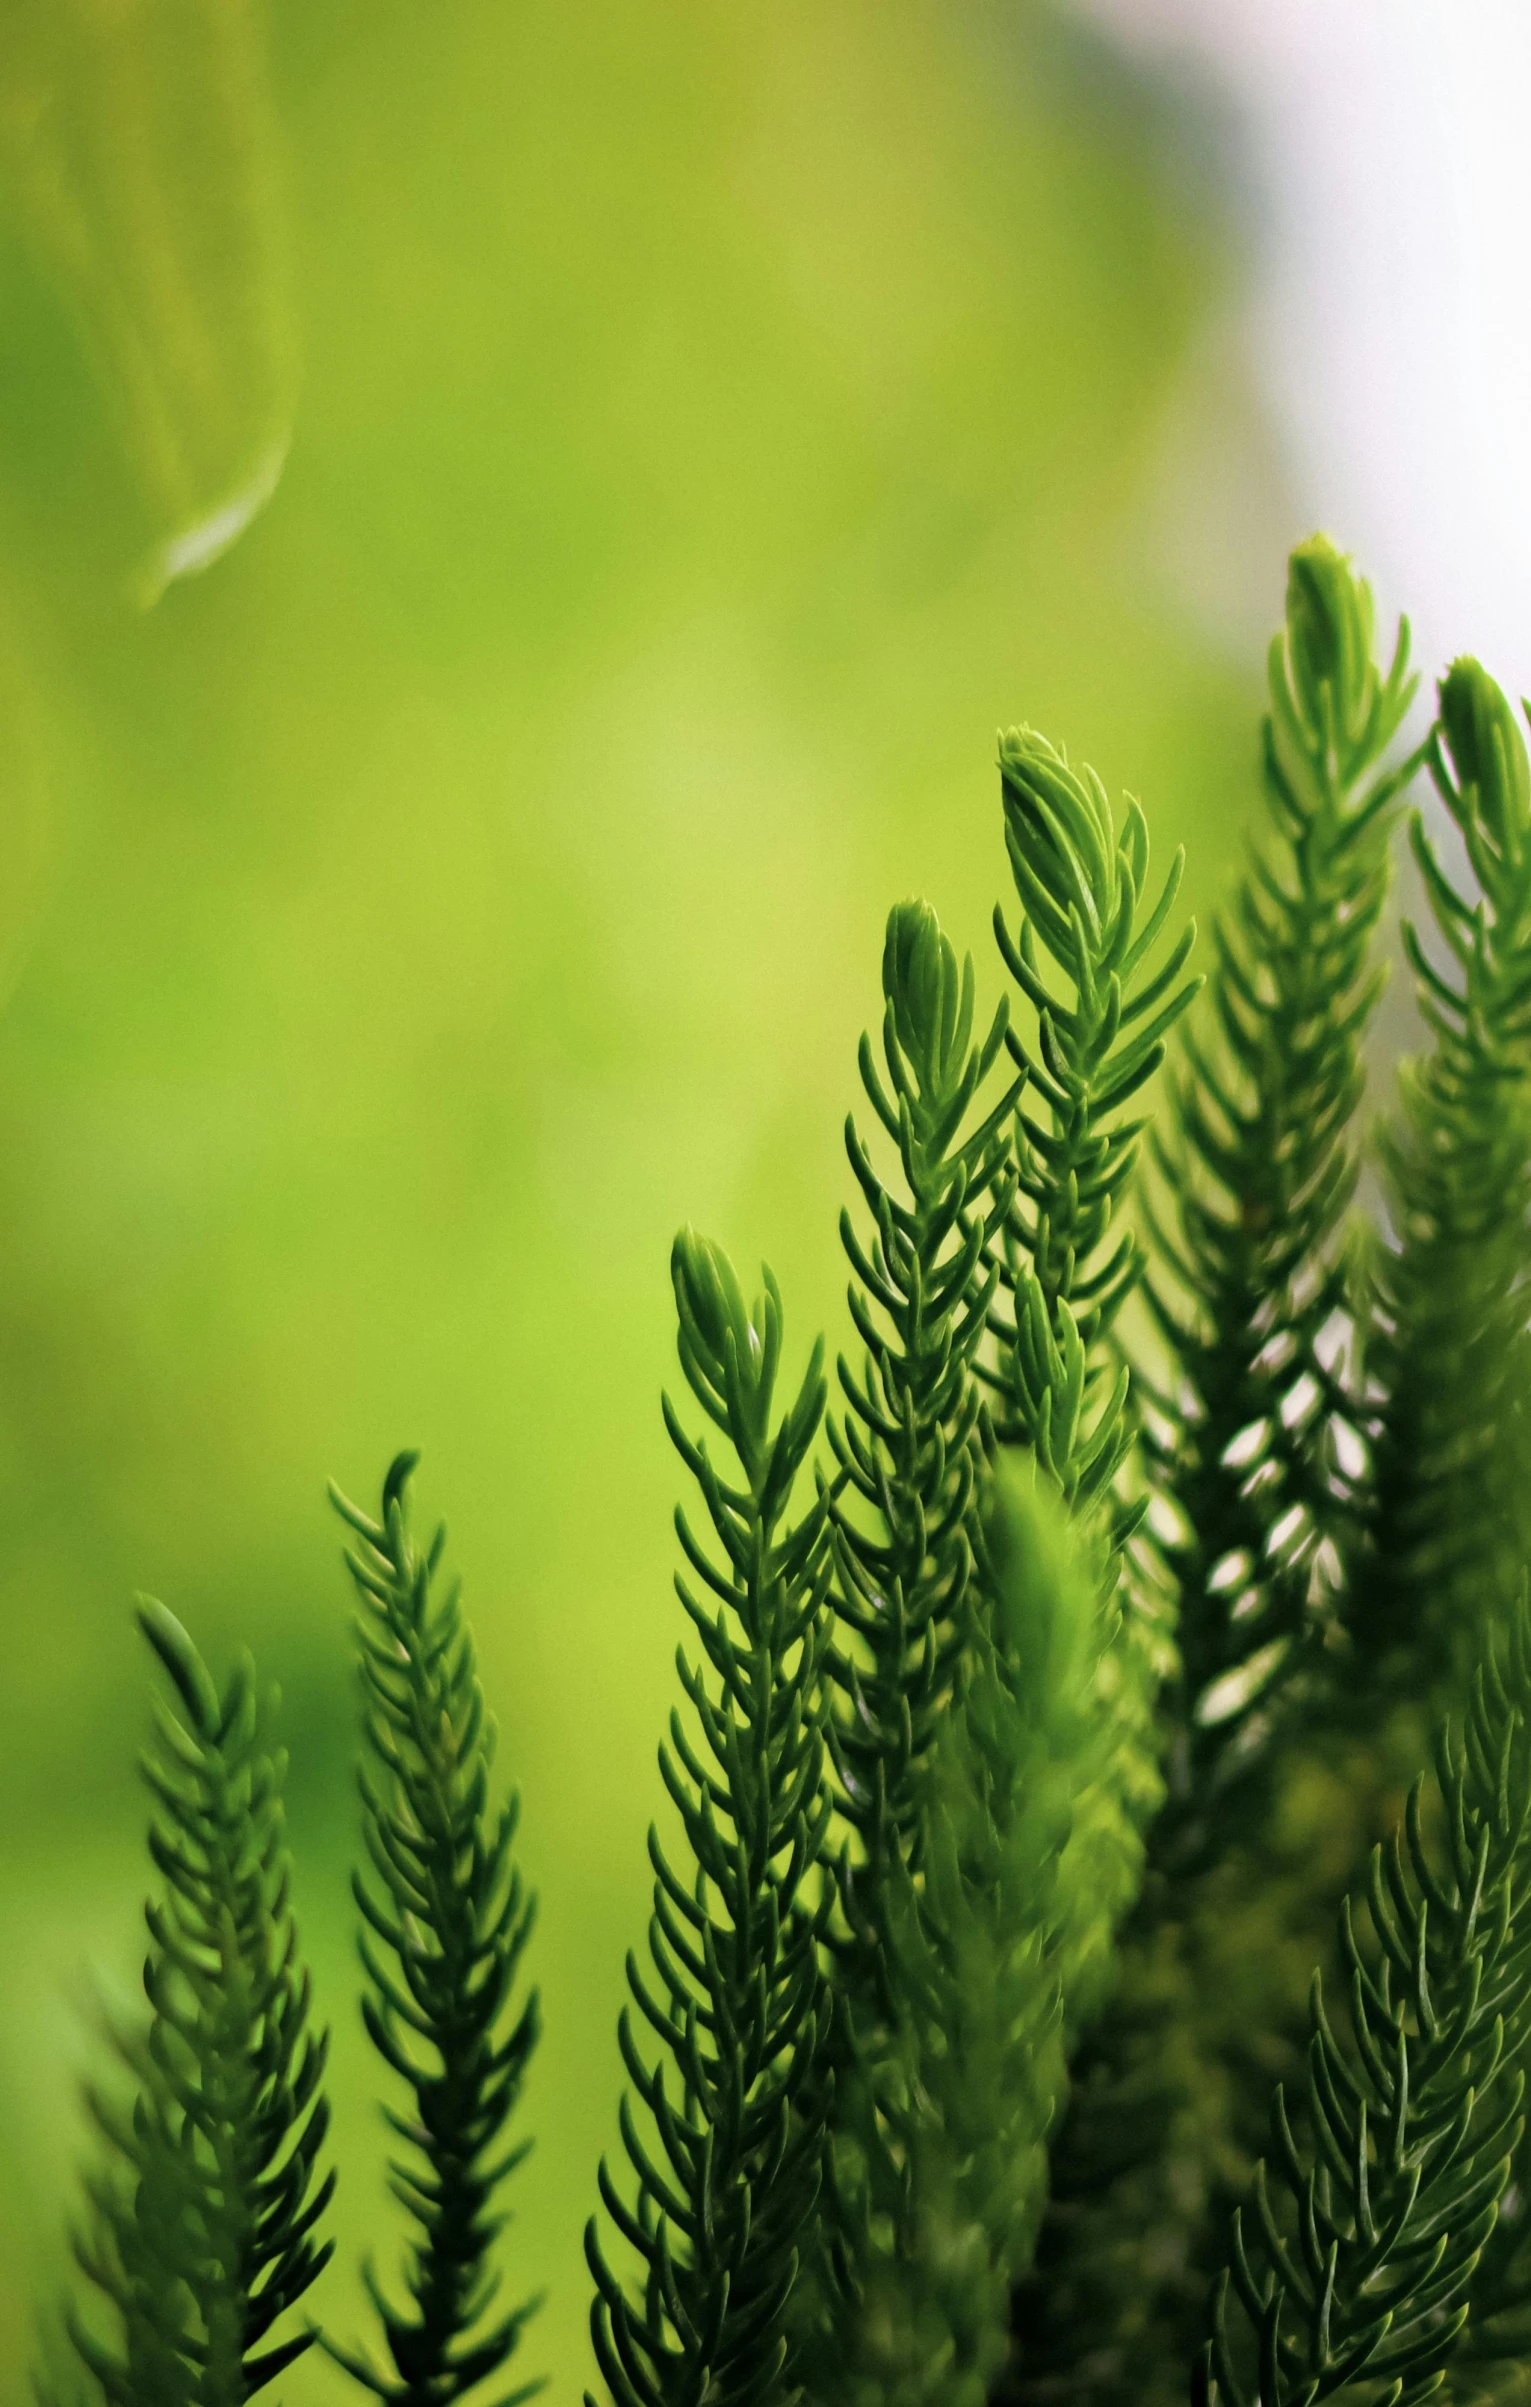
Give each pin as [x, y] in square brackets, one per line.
[1067, 1265]
[445, 1921]
[729, 2155]
[903, 1533]
[1352, 2265]
[1256, 1179]
[202, 2230]
[909, 1449]
[980, 1947]
[1086, 958]
[1450, 1520]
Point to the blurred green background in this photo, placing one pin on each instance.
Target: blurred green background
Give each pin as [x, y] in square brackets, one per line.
[706, 425]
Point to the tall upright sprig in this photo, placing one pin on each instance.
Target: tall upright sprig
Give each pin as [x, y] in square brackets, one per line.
[1084, 959]
[202, 2230]
[1081, 958]
[445, 1921]
[1452, 1291]
[903, 1533]
[1352, 2268]
[1256, 1179]
[729, 2161]
[910, 1448]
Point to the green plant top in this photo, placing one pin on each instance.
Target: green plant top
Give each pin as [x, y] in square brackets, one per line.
[1066, 1266]
[728, 2161]
[445, 1922]
[1449, 1521]
[205, 2208]
[910, 1448]
[1257, 1171]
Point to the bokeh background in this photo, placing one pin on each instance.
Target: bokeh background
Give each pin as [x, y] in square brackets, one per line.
[517, 526]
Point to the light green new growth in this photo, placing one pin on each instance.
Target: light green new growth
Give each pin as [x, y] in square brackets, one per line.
[1449, 1521]
[729, 2158]
[202, 2231]
[980, 1948]
[445, 1921]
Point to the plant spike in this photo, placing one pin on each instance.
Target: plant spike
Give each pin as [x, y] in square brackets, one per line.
[203, 2216]
[1083, 959]
[443, 1933]
[729, 2165]
[1351, 2270]
[910, 1450]
[1064, 1264]
[904, 1507]
[1450, 1523]
[1257, 1179]
[1450, 1517]
[1061, 1387]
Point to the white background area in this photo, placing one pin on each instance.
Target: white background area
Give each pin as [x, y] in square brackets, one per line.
[1386, 148]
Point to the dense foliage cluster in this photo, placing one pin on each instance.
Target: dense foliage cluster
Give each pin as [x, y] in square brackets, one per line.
[1064, 1985]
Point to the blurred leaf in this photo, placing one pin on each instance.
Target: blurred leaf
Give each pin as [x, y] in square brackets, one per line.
[137, 154]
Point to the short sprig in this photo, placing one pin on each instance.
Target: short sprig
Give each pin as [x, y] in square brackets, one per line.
[445, 1922]
[204, 2213]
[1066, 1263]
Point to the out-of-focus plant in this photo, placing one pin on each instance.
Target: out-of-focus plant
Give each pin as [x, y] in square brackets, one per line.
[139, 162]
[984, 1918]
[204, 2205]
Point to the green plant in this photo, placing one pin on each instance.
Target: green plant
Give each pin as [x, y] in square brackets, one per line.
[909, 1451]
[1041, 1706]
[730, 2167]
[905, 1539]
[1450, 1293]
[1363, 2271]
[1065, 1267]
[954, 2098]
[1258, 1167]
[204, 2209]
[1246, 1423]
[447, 1907]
